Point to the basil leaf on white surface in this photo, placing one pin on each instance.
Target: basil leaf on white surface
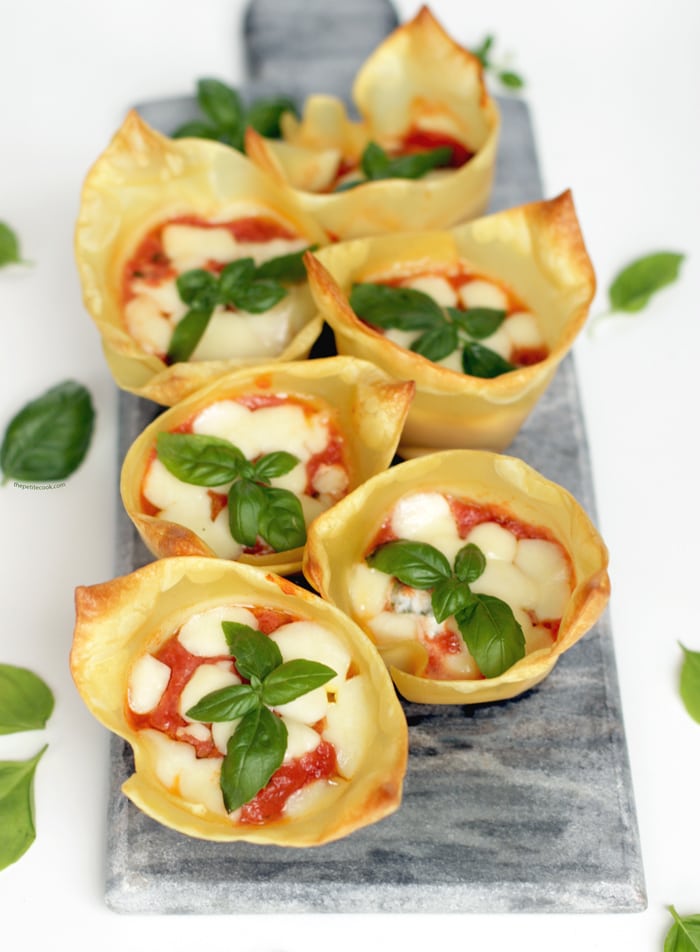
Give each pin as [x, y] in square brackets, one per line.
[636, 284]
[690, 682]
[26, 701]
[684, 934]
[9, 246]
[17, 824]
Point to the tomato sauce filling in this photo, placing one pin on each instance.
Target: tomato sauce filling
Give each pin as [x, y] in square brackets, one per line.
[268, 804]
[333, 454]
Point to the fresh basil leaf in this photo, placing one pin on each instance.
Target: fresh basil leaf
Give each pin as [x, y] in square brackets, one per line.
[9, 246]
[293, 679]
[264, 115]
[684, 934]
[414, 563]
[449, 596]
[289, 268]
[50, 436]
[282, 524]
[26, 702]
[17, 825]
[478, 322]
[419, 163]
[690, 683]
[635, 284]
[187, 334]
[246, 502]
[225, 704]
[196, 129]
[492, 634]
[255, 654]
[374, 162]
[234, 275]
[274, 464]
[480, 361]
[253, 754]
[510, 80]
[402, 308]
[257, 297]
[482, 51]
[199, 459]
[220, 103]
[198, 287]
[470, 563]
[436, 343]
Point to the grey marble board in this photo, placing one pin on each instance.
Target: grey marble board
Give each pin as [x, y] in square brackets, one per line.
[519, 806]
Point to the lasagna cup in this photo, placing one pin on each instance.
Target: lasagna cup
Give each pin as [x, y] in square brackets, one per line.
[470, 571]
[189, 260]
[422, 155]
[255, 710]
[240, 468]
[479, 316]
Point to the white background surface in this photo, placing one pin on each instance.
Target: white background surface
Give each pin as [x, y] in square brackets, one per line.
[614, 91]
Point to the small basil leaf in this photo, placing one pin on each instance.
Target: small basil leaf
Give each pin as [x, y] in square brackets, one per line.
[253, 754]
[258, 297]
[293, 679]
[187, 334]
[9, 246]
[449, 596]
[492, 634]
[233, 276]
[199, 459]
[635, 284]
[684, 934]
[197, 286]
[403, 308]
[478, 322]
[220, 103]
[226, 704]
[274, 464]
[290, 268]
[510, 79]
[414, 563]
[26, 702]
[195, 130]
[264, 115]
[17, 827]
[282, 523]
[255, 654]
[436, 343]
[470, 563]
[690, 683]
[482, 51]
[419, 163]
[246, 502]
[50, 436]
[480, 361]
[374, 162]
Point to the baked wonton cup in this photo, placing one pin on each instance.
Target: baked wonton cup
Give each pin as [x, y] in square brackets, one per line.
[417, 82]
[144, 180]
[535, 250]
[120, 621]
[362, 403]
[342, 538]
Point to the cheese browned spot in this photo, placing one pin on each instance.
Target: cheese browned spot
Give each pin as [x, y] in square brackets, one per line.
[525, 569]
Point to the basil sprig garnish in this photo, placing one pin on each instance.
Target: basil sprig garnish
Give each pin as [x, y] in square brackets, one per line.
[507, 77]
[634, 286]
[490, 630]
[377, 164]
[9, 246]
[241, 284]
[226, 118]
[444, 329]
[255, 508]
[256, 748]
[49, 437]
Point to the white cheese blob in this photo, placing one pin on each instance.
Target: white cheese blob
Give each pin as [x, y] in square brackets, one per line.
[436, 287]
[349, 724]
[301, 739]
[147, 681]
[427, 517]
[480, 293]
[194, 780]
[203, 635]
[369, 589]
[494, 541]
[309, 640]
[146, 323]
[523, 330]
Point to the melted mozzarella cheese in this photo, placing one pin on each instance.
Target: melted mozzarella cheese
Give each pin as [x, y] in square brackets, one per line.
[203, 635]
[195, 780]
[436, 287]
[427, 517]
[348, 719]
[479, 293]
[205, 679]
[147, 681]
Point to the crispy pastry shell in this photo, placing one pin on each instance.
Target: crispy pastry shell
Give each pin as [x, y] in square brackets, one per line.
[371, 408]
[417, 78]
[117, 621]
[341, 537]
[536, 250]
[141, 180]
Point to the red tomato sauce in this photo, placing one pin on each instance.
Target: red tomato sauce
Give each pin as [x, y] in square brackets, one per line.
[425, 140]
[290, 777]
[150, 263]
